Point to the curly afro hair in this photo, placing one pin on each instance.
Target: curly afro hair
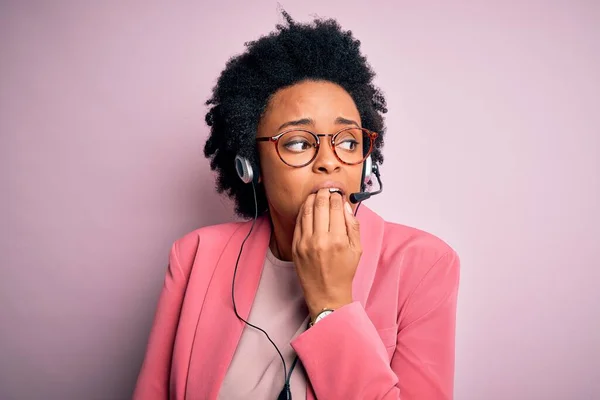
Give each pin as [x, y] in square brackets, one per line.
[320, 51]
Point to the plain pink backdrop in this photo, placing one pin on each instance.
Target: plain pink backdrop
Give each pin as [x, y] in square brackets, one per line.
[493, 144]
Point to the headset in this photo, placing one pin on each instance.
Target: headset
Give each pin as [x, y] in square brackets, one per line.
[248, 172]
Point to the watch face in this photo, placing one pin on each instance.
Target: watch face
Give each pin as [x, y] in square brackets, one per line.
[322, 315]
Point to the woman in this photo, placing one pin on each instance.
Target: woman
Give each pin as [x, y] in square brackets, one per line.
[315, 298]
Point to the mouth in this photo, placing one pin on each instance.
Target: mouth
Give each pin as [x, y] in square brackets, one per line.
[332, 190]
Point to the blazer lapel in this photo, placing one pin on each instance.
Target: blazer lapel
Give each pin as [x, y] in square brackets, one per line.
[218, 330]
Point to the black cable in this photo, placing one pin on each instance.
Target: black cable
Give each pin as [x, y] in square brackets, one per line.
[285, 374]
[358, 205]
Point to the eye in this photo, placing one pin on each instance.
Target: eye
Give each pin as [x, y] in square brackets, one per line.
[297, 145]
[348, 144]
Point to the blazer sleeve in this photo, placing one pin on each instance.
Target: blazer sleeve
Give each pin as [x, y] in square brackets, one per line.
[345, 357]
[153, 380]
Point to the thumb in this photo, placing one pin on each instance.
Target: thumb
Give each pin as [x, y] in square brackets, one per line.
[352, 226]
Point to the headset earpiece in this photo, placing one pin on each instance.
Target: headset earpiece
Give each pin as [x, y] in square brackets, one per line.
[367, 169]
[245, 170]
[367, 172]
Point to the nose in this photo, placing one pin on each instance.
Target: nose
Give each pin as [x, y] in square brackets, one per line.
[326, 160]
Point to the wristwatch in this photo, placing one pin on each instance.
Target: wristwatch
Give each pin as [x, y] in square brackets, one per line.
[325, 312]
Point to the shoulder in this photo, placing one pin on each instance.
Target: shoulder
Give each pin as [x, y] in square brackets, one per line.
[213, 234]
[403, 238]
[417, 254]
[214, 237]
[402, 244]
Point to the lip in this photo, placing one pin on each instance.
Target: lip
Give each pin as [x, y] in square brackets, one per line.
[329, 184]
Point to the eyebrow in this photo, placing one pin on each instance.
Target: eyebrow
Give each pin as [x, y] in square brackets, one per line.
[310, 121]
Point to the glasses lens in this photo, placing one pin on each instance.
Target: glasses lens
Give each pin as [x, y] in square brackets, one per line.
[297, 148]
[352, 145]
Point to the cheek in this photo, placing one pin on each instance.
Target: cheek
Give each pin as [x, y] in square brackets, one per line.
[281, 184]
[268, 158]
[356, 176]
[280, 181]
[286, 188]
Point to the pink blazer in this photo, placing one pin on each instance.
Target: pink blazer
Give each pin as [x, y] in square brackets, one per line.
[395, 341]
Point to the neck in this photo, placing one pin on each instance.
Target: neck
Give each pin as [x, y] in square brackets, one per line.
[282, 235]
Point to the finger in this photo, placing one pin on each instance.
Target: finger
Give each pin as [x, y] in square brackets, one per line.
[297, 231]
[352, 226]
[298, 224]
[337, 221]
[321, 212]
[306, 216]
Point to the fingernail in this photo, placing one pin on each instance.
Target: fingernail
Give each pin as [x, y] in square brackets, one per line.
[348, 208]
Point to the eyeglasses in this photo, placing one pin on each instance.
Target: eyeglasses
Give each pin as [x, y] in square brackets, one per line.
[299, 147]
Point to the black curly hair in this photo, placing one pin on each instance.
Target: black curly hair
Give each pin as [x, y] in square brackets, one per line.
[320, 51]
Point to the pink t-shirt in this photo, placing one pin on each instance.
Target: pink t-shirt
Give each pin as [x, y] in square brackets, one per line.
[256, 371]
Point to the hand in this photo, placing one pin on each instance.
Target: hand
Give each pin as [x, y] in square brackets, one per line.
[326, 250]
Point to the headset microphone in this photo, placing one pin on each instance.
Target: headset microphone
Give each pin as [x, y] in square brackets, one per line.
[361, 196]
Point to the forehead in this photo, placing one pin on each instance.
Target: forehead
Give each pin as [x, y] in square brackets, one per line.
[322, 102]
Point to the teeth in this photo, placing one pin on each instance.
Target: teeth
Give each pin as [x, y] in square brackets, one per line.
[332, 190]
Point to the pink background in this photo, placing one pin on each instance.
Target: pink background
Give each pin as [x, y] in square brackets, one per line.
[493, 144]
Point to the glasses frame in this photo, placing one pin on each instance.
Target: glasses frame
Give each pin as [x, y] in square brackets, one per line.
[275, 140]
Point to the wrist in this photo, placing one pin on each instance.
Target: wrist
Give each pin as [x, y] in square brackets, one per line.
[324, 313]
[314, 311]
